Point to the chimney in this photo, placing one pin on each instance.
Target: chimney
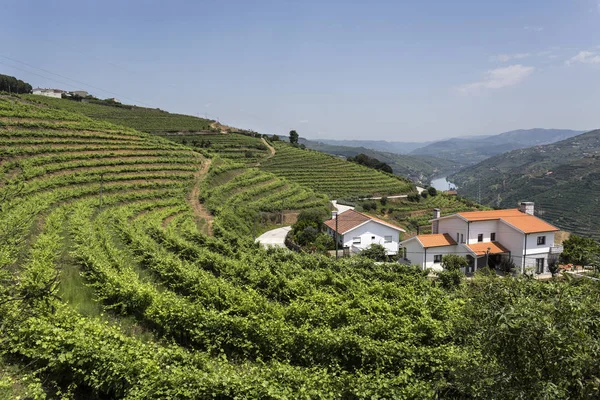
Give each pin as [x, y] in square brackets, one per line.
[527, 207]
[334, 214]
[435, 226]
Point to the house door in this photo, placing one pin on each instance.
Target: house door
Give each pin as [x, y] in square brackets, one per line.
[539, 265]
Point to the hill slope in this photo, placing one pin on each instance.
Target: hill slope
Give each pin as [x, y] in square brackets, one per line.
[331, 175]
[472, 150]
[377, 145]
[419, 169]
[150, 120]
[563, 179]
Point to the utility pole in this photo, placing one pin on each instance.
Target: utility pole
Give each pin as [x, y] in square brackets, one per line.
[487, 257]
[336, 234]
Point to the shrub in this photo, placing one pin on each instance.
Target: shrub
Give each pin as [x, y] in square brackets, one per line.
[432, 191]
[375, 252]
[383, 200]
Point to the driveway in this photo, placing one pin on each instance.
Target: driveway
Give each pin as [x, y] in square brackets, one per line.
[340, 207]
[274, 238]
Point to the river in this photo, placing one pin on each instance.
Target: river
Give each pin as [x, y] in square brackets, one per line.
[442, 184]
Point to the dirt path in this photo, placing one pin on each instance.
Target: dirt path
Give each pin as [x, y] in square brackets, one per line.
[199, 210]
[271, 148]
[271, 152]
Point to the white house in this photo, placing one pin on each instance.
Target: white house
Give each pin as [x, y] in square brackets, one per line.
[57, 93]
[485, 237]
[358, 231]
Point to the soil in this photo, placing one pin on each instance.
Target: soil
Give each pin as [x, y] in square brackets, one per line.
[199, 210]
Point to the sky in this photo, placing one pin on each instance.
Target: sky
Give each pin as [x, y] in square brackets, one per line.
[376, 70]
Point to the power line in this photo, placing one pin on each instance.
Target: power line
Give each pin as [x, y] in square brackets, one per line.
[73, 80]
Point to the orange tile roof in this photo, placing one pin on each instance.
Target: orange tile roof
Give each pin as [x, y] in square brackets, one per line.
[436, 240]
[350, 219]
[481, 248]
[524, 222]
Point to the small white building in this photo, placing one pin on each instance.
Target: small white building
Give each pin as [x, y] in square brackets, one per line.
[56, 93]
[485, 238]
[358, 231]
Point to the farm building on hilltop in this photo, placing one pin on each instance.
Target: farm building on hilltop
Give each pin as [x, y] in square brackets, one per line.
[486, 238]
[57, 93]
[358, 231]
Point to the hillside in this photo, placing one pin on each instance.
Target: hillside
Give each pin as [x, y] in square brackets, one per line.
[332, 175]
[116, 282]
[377, 145]
[562, 178]
[471, 150]
[418, 169]
[150, 120]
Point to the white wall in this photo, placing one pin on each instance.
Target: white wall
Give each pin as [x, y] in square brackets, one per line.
[48, 94]
[533, 251]
[373, 233]
[485, 228]
[424, 258]
[452, 226]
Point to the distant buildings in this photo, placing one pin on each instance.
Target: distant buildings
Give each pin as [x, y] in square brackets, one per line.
[56, 93]
[357, 232]
[81, 93]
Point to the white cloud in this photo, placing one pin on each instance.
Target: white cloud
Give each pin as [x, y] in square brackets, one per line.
[533, 28]
[303, 121]
[584, 57]
[499, 78]
[508, 57]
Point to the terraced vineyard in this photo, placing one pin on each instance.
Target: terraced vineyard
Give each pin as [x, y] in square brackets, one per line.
[331, 175]
[107, 281]
[144, 119]
[110, 289]
[233, 146]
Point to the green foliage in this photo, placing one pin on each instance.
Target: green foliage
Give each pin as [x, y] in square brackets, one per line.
[294, 137]
[375, 252]
[374, 163]
[432, 191]
[579, 250]
[383, 200]
[13, 85]
[454, 262]
[187, 315]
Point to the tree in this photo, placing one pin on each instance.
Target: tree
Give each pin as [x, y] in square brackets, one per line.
[375, 252]
[383, 200]
[432, 191]
[454, 262]
[13, 85]
[275, 138]
[579, 250]
[294, 137]
[424, 194]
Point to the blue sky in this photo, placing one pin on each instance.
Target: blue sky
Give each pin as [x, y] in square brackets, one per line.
[390, 70]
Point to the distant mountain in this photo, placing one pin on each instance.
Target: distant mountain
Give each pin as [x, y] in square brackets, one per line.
[417, 169]
[562, 178]
[379, 145]
[474, 149]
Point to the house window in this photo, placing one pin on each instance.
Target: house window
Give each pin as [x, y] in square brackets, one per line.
[541, 240]
[457, 238]
[493, 236]
[480, 237]
[462, 238]
[387, 239]
[437, 258]
[539, 265]
[372, 237]
[356, 240]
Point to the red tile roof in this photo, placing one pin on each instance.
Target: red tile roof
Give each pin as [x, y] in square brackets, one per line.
[524, 222]
[436, 240]
[350, 219]
[481, 248]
